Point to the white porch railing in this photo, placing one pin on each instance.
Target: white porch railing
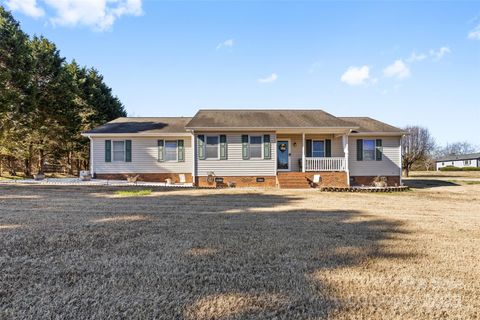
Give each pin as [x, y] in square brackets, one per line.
[325, 164]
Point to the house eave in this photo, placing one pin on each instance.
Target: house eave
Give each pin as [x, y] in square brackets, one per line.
[142, 135]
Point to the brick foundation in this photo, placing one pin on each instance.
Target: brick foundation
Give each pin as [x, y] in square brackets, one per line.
[368, 180]
[298, 180]
[330, 179]
[269, 182]
[147, 177]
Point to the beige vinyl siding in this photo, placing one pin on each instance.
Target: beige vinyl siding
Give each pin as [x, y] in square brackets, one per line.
[390, 164]
[144, 157]
[235, 165]
[296, 146]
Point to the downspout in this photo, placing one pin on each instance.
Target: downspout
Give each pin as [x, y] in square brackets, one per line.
[194, 156]
[91, 157]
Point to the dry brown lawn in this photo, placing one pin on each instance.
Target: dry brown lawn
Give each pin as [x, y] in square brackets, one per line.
[445, 174]
[86, 253]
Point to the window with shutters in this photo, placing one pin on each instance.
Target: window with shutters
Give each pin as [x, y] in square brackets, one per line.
[256, 147]
[171, 150]
[369, 150]
[118, 151]
[212, 147]
[318, 148]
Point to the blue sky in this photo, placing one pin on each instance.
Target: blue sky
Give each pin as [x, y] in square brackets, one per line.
[400, 62]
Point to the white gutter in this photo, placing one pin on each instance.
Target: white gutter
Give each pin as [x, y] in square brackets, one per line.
[141, 135]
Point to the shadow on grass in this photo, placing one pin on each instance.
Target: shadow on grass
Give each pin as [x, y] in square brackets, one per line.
[428, 183]
[195, 255]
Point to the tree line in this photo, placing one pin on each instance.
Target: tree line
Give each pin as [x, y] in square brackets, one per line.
[45, 103]
[419, 149]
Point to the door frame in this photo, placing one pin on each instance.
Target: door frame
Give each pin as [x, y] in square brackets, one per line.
[289, 153]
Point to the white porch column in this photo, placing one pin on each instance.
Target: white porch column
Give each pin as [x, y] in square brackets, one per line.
[345, 151]
[303, 152]
[194, 157]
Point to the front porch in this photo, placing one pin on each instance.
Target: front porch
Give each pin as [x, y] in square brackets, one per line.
[302, 156]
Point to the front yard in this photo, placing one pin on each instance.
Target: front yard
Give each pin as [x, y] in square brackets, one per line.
[89, 252]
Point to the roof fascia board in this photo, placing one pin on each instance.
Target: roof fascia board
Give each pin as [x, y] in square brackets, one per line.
[267, 128]
[143, 135]
[378, 133]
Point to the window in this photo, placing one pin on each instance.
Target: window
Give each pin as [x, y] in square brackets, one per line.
[369, 150]
[255, 146]
[211, 147]
[318, 148]
[171, 151]
[467, 162]
[118, 151]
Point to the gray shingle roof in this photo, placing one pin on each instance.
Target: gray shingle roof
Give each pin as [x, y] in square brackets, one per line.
[265, 119]
[143, 125]
[367, 125]
[454, 157]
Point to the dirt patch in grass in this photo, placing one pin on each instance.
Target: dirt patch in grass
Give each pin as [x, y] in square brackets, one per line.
[238, 254]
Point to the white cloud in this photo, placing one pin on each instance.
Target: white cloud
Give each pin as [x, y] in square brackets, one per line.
[28, 7]
[96, 14]
[414, 57]
[398, 70]
[475, 33]
[271, 78]
[226, 44]
[315, 67]
[440, 53]
[355, 76]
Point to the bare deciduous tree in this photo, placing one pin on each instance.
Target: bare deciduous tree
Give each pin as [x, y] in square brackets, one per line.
[417, 146]
[457, 148]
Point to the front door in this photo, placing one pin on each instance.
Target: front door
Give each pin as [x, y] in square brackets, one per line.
[283, 155]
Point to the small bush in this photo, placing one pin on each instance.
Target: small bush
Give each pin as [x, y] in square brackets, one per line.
[471, 169]
[133, 193]
[452, 168]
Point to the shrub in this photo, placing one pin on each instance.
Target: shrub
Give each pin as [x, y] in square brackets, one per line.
[452, 168]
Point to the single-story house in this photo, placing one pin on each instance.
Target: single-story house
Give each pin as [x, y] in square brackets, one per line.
[459, 161]
[270, 148]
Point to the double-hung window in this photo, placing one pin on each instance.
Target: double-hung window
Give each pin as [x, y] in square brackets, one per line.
[171, 150]
[256, 146]
[318, 148]
[212, 147]
[369, 150]
[118, 150]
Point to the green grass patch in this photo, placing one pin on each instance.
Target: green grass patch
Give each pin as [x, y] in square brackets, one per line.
[133, 193]
[469, 182]
[452, 168]
[12, 178]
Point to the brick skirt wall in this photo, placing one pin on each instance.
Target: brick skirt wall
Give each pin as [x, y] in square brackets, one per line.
[330, 179]
[148, 177]
[368, 180]
[269, 182]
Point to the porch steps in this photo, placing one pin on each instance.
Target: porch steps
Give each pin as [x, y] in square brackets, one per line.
[293, 180]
